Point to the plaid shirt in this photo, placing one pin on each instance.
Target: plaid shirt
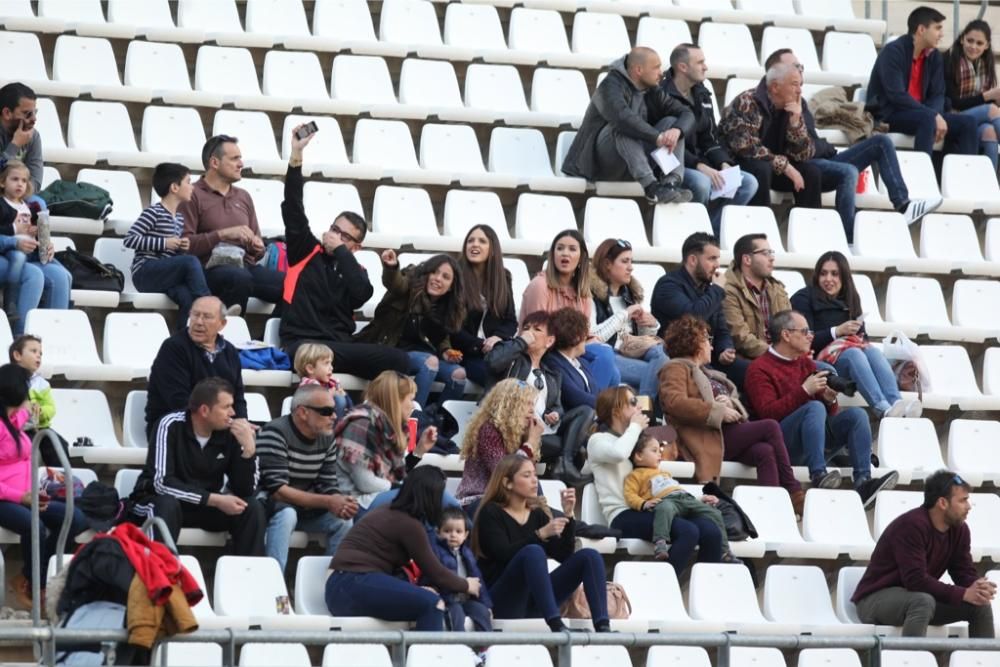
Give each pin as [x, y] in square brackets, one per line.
[764, 303]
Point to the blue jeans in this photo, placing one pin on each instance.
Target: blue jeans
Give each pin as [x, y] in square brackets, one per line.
[962, 137]
[385, 597]
[601, 358]
[700, 186]
[17, 518]
[38, 279]
[180, 277]
[841, 173]
[685, 535]
[644, 373]
[526, 588]
[15, 260]
[869, 368]
[982, 116]
[445, 372]
[286, 519]
[805, 432]
[57, 284]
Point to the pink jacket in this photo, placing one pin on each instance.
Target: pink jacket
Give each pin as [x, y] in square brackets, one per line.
[539, 296]
[15, 469]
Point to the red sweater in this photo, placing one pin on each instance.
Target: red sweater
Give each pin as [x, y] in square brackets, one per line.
[774, 385]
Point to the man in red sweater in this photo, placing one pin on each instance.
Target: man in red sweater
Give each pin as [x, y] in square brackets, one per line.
[902, 584]
[784, 384]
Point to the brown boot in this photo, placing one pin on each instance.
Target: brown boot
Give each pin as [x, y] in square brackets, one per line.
[798, 503]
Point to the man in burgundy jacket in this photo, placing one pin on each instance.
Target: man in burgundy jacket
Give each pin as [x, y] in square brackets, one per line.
[902, 584]
[783, 384]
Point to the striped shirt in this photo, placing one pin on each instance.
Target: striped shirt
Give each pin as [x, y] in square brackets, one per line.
[148, 235]
[288, 458]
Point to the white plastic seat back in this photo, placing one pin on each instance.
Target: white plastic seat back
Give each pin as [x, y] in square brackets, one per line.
[836, 517]
[267, 195]
[440, 655]
[599, 656]
[949, 371]
[348, 20]
[849, 53]
[974, 658]
[133, 340]
[100, 126]
[277, 17]
[814, 231]
[465, 208]
[662, 35]
[225, 70]
[600, 34]
[890, 504]
[908, 659]
[652, 589]
[87, 61]
[221, 15]
[792, 280]
[72, 11]
[84, 413]
[967, 177]
[134, 419]
[68, 336]
[647, 275]
[770, 509]
[232, 595]
[971, 446]
[743, 656]
[677, 656]
[541, 217]
[494, 88]
[559, 91]
[188, 654]
[384, 143]
[430, 83]
[451, 148]
[882, 234]
[740, 220]
[149, 14]
[294, 75]
[518, 655]
[326, 146]
[972, 304]
[798, 40]
[271, 655]
[909, 446]
[613, 218]
[172, 131]
[718, 591]
[537, 31]
[363, 79]
[674, 223]
[356, 655]
[519, 152]
[121, 186]
[411, 22]
[728, 47]
[949, 237]
[798, 594]
[252, 128]
[324, 201]
[918, 174]
[915, 301]
[829, 657]
[27, 49]
[156, 66]
[847, 582]
[473, 26]
[310, 584]
[405, 211]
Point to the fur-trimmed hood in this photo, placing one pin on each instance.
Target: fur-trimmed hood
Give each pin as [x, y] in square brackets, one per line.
[599, 289]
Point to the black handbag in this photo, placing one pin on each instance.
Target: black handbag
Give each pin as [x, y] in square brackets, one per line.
[89, 273]
[739, 527]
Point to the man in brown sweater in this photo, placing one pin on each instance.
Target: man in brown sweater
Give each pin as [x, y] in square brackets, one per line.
[902, 584]
[753, 294]
[220, 214]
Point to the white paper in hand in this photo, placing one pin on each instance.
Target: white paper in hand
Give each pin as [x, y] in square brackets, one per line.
[733, 178]
[667, 160]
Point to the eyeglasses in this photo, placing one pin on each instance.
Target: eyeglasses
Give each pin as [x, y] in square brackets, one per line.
[764, 251]
[323, 411]
[28, 115]
[344, 235]
[622, 243]
[800, 67]
[805, 332]
[539, 380]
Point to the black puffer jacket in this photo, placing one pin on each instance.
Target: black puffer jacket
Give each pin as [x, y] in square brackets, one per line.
[701, 145]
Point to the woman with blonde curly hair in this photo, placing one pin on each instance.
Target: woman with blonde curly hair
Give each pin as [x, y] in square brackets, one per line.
[506, 423]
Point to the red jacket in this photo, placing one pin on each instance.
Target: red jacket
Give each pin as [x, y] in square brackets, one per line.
[157, 567]
[774, 385]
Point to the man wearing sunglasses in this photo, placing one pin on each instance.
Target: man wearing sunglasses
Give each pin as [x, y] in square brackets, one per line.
[298, 474]
[902, 584]
[325, 284]
[18, 138]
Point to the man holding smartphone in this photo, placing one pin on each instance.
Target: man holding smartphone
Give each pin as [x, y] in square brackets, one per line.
[18, 138]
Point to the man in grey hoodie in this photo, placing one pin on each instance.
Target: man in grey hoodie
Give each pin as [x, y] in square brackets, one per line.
[616, 138]
[19, 139]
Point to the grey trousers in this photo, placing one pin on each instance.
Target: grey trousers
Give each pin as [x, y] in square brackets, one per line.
[915, 611]
[620, 157]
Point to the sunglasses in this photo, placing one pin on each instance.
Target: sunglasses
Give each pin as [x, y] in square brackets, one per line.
[539, 380]
[622, 243]
[323, 411]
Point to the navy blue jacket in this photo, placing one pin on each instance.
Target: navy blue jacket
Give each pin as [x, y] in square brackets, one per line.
[574, 391]
[888, 87]
[676, 294]
[447, 558]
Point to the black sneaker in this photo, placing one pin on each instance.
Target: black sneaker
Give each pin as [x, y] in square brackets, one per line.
[831, 480]
[870, 488]
[667, 193]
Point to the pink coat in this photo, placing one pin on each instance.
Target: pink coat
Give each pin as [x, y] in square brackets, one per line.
[15, 468]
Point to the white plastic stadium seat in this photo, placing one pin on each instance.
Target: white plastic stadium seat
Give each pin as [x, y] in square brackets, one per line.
[729, 48]
[231, 73]
[837, 518]
[562, 92]
[889, 505]
[295, 76]
[908, 659]
[356, 655]
[310, 578]
[187, 654]
[950, 380]
[323, 201]
[850, 55]
[599, 656]
[497, 89]
[814, 231]
[982, 520]
[440, 655]
[267, 195]
[720, 591]
[971, 449]
[363, 80]
[233, 597]
[973, 658]
[105, 129]
[613, 218]
[176, 133]
[770, 509]
[953, 238]
[387, 144]
[47, 124]
[401, 213]
[522, 153]
[25, 47]
[756, 657]
[124, 193]
[672, 223]
[70, 349]
[740, 220]
[90, 63]
[884, 235]
[112, 251]
[538, 31]
[133, 340]
[662, 35]
[677, 656]
[134, 419]
[267, 655]
[916, 306]
[966, 182]
[223, 22]
[281, 18]
[540, 217]
[85, 413]
[256, 139]
[656, 598]
[412, 23]
[829, 657]
[477, 27]
[345, 22]
[430, 87]
[603, 36]
[465, 208]
[910, 447]
[518, 655]
[799, 594]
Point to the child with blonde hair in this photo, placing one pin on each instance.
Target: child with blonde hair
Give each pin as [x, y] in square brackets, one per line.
[16, 240]
[314, 365]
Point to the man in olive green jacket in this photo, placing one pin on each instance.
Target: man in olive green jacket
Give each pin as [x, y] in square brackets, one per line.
[752, 295]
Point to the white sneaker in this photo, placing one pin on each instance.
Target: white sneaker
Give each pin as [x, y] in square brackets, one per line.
[918, 208]
[898, 409]
[914, 408]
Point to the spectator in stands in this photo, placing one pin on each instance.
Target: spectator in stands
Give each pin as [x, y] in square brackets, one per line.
[784, 385]
[704, 155]
[694, 289]
[365, 580]
[26, 352]
[18, 138]
[616, 136]
[832, 309]
[298, 474]
[505, 423]
[325, 284]
[15, 181]
[196, 453]
[448, 544]
[372, 438]
[15, 485]
[422, 305]
[190, 356]
[220, 223]
[902, 583]
[161, 263]
[712, 424]
[565, 282]
[619, 423]
[489, 301]
[621, 319]
[564, 432]
[579, 386]
[970, 82]
[907, 88]
[513, 536]
[840, 170]
[314, 365]
[752, 293]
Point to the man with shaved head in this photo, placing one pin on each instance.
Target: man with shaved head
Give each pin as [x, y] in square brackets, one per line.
[189, 356]
[616, 136]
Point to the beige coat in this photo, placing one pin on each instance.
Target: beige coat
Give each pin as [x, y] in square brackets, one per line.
[744, 316]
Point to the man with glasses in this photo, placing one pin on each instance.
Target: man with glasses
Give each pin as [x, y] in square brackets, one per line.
[902, 584]
[752, 294]
[298, 474]
[325, 284]
[784, 384]
[840, 170]
[221, 224]
[18, 138]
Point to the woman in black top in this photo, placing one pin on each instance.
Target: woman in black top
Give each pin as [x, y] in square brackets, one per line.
[971, 83]
[832, 308]
[514, 535]
[489, 301]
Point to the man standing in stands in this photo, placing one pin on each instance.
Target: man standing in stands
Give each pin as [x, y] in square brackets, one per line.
[752, 294]
[325, 284]
[188, 357]
[616, 136]
[906, 89]
[221, 223]
[902, 584]
[704, 156]
[201, 471]
[298, 468]
[692, 290]
[840, 170]
[764, 130]
[18, 138]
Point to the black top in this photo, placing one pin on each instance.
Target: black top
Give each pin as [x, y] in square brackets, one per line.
[504, 326]
[821, 312]
[701, 145]
[501, 537]
[951, 89]
[677, 294]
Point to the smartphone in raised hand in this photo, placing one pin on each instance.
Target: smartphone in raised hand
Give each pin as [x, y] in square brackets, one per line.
[306, 130]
